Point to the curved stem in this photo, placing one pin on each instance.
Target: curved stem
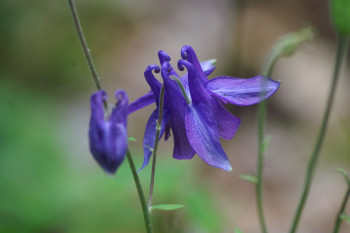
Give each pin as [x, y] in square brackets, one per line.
[84, 45]
[339, 220]
[260, 159]
[341, 49]
[140, 192]
[156, 140]
[98, 84]
[260, 165]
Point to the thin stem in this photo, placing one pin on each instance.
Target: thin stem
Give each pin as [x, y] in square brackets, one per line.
[260, 165]
[84, 45]
[146, 215]
[260, 159]
[156, 140]
[339, 219]
[341, 49]
[98, 84]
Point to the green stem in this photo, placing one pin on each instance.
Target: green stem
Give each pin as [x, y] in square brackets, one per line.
[146, 215]
[341, 50]
[84, 45]
[98, 84]
[260, 159]
[260, 165]
[339, 219]
[154, 151]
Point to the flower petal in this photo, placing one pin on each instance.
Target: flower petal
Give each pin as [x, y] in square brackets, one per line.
[242, 91]
[226, 122]
[187, 53]
[208, 66]
[202, 132]
[150, 134]
[120, 112]
[177, 108]
[108, 138]
[141, 102]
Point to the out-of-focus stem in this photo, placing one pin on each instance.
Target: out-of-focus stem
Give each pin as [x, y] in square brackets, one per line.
[341, 50]
[84, 45]
[339, 219]
[145, 211]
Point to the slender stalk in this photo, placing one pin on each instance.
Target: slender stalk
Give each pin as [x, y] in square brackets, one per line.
[341, 50]
[156, 140]
[339, 220]
[260, 159]
[260, 165]
[146, 215]
[98, 84]
[84, 45]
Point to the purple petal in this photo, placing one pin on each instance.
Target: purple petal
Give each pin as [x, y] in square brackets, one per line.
[227, 123]
[208, 66]
[187, 53]
[242, 91]
[202, 132]
[148, 139]
[120, 112]
[141, 102]
[108, 138]
[97, 108]
[177, 108]
[152, 81]
[150, 134]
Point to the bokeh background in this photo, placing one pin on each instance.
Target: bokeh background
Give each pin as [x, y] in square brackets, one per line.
[49, 182]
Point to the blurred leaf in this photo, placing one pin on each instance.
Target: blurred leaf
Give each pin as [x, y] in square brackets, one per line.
[237, 230]
[250, 178]
[167, 206]
[344, 173]
[345, 217]
[131, 139]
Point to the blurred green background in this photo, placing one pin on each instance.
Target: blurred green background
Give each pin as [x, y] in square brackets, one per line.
[49, 183]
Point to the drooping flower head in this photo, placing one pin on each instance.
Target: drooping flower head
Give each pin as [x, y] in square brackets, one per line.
[108, 134]
[194, 107]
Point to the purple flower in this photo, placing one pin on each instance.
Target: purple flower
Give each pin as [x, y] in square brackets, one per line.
[108, 134]
[196, 115]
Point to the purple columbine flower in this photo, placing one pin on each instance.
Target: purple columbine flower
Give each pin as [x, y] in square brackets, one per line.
[196, 115]
[108, 134]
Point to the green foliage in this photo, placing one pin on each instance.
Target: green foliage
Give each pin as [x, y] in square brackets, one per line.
[166, 207]
[131, 139]
[345, 217]
[345, 174]
[250, 178]
[340, 15]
